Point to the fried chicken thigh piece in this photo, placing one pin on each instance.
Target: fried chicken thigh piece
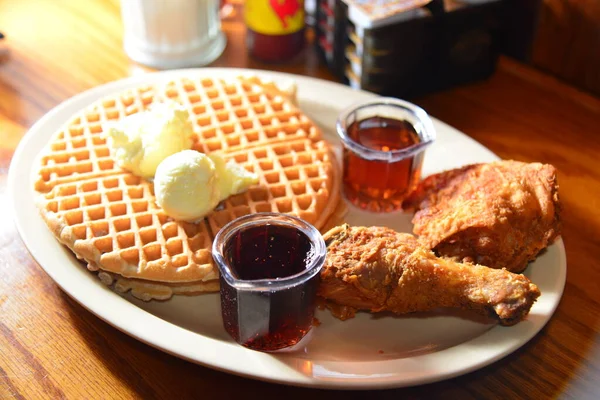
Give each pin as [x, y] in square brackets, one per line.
[500, 214]
[378, 269]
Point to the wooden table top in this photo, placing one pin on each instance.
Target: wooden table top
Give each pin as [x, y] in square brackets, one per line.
[51, 347]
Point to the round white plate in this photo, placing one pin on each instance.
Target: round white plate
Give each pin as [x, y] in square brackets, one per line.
[369, 351]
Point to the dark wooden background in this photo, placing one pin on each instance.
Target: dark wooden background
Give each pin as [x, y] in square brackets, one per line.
[567, 42]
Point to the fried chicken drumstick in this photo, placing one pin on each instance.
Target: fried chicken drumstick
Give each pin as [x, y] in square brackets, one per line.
[378, 269]
[500, 214]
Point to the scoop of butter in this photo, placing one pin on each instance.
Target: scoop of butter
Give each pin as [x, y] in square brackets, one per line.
[188, 185]
[142, 140]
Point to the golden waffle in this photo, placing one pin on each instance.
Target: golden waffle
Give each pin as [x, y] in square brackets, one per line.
[295, 178]
[108, 217]
[225, 115]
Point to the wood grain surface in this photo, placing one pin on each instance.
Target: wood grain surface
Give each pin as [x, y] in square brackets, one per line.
[567, 42]
[51, 347]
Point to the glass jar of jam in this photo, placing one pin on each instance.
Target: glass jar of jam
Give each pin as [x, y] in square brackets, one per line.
[269, 268]
[275, 28]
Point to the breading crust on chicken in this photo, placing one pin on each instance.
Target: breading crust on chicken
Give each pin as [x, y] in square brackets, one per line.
[378, 269]
[500, 214]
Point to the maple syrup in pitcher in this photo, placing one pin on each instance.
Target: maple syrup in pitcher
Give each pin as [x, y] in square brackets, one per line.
[383, 154]
[385, 182]
[270, 281]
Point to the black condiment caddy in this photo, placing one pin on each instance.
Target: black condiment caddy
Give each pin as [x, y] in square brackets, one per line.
[434, 47]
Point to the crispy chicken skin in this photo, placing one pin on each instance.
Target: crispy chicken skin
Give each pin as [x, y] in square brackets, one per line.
[378, 269]
[500, 214]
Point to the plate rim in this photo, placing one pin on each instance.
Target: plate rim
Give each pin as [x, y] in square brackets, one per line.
[214, 360]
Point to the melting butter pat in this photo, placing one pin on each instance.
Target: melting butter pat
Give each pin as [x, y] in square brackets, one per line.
[188, 185]
[233, 178]
[141, 141]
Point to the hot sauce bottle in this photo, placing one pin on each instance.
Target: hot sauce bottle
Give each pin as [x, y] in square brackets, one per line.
[275, 28]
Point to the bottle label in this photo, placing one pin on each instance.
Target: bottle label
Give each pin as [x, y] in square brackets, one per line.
[274, 17]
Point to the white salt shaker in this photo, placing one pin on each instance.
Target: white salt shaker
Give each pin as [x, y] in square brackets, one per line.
[172, 33]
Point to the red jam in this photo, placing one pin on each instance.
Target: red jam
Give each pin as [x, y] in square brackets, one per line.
[260, 309]
[268, 252]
